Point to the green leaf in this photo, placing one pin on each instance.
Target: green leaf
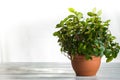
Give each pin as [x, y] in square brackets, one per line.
[88, 57]
[80, 15]
[71, 10]
[113, 37]
[80, 46]
[107, 21]
[96, 51]
[91, 14]
[84, 47]
[107, 53]
[109, 59]
[99, 12]
[90, 37]
[102, 48]
[93, 19]
[114, 55]
[55, 33]
[58, 26]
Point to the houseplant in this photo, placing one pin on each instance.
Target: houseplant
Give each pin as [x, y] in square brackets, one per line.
[86, 40]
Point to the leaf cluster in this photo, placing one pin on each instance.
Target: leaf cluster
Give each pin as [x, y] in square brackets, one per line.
[86, 36]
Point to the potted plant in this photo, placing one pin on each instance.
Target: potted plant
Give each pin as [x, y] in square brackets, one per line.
[86, 40]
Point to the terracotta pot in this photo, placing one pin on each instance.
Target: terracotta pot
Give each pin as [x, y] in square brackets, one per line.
[83, 67]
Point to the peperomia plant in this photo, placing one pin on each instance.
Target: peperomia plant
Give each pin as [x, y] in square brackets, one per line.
[88, 36]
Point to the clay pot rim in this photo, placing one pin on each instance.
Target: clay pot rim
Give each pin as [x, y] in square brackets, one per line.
[83, 57]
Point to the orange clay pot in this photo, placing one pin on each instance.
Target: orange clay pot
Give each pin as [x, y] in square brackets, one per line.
[83, 67]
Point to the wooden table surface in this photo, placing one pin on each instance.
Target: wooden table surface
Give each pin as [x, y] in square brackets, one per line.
[54, 71]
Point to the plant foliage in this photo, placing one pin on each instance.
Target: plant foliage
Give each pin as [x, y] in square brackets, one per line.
[86, 36]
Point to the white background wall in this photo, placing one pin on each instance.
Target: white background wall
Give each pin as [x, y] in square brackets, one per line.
[26, 27]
